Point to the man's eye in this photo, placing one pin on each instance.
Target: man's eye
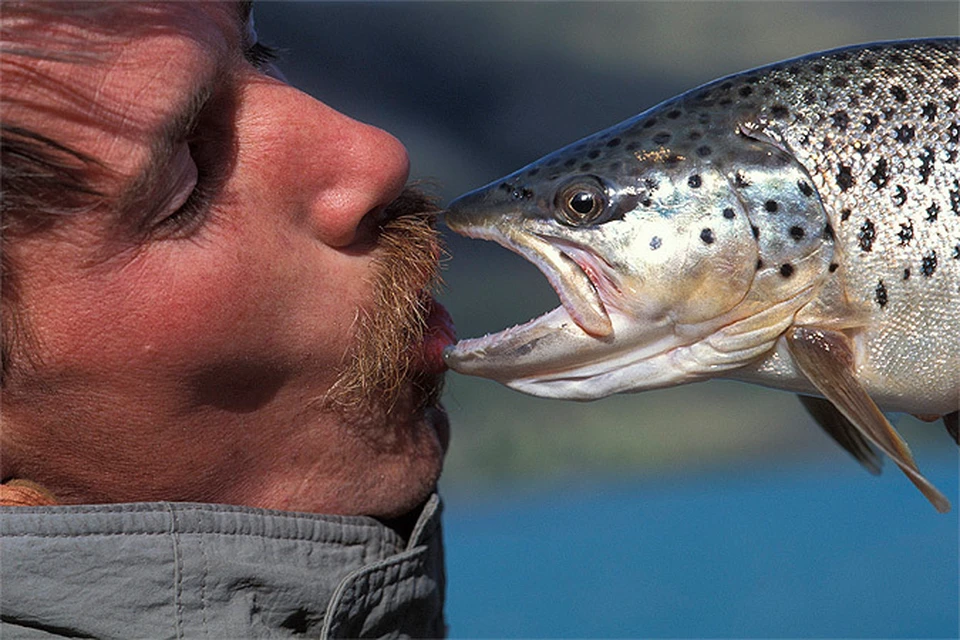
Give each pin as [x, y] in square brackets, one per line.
[261, 55]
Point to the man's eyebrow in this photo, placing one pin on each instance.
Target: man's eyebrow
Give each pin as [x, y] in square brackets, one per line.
[138, 196]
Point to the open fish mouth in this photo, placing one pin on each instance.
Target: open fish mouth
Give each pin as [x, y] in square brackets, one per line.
[578, 276]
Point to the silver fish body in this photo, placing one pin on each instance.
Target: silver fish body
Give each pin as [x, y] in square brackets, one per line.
[796, 226]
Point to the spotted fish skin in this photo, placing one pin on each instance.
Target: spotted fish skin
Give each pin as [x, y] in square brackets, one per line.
[878, 129]
[796, 226]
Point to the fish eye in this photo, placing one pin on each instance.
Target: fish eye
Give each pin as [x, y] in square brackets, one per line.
[580, 202]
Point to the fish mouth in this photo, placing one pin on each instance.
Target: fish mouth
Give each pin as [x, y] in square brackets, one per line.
[580, 278]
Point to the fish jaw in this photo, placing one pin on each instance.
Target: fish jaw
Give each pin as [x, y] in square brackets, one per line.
[568, 270]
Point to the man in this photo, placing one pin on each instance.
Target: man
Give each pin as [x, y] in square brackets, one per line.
[214, 307]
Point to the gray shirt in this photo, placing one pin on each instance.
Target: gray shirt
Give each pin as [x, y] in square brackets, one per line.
[180, 570]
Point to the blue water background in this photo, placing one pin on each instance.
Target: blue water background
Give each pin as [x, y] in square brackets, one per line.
[802, 550]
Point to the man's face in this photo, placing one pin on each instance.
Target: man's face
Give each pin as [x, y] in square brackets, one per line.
[200, 336]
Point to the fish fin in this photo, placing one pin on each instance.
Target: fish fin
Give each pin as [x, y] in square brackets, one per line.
[826, 358]
[950, 421]
[842, 431]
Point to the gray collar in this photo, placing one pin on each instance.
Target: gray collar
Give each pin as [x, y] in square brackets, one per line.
[182, 570]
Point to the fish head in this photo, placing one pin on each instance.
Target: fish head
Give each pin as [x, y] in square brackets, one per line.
[649, 248]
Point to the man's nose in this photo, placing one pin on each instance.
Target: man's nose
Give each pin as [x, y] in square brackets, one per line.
[372, 169]
[328, 168]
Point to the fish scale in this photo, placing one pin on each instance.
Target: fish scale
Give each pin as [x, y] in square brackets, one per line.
[796, 226]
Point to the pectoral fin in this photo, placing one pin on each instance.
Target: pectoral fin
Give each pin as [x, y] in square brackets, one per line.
[842, 431]
[826, 358]
[950, 421]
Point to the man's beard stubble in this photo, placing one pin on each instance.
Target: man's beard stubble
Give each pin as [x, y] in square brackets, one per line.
[380, 370]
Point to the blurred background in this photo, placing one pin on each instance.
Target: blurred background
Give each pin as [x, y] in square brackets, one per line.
[711, 510]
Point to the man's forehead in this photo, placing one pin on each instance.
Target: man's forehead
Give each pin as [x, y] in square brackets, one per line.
[141, 65]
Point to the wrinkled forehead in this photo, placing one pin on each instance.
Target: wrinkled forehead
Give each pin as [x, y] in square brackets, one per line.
[108, 73]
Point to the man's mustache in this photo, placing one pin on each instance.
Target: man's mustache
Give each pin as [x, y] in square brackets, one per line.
[379, 366]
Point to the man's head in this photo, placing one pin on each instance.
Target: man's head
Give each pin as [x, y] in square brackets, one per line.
[213, 288]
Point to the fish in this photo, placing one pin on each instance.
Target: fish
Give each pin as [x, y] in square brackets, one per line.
[795, 226]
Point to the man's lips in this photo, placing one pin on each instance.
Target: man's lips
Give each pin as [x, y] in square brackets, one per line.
[440, 333]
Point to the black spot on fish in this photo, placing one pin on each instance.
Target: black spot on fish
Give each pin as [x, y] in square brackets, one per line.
[955, 198]
[674, 114]
[707, 236]
[786, 270]
[756, 231]
[929, 111]
[728, 213]
[906, 232]
[779, 111]
[741, 180]
[951, 104]
[828, 233]
[840, 119]
[694, 135]
[827, 143]
[898, 93]
[919, 79]
[805, 188]
[927, 158]
[899, 197]
[844, 177]
[868, 64]
[881, 294]
[655, 243]
[649, 123]
[932, 212]
[866, 235]
[879, 176]
[633, 145]
[613, 142]
[759, 264]
[645, 200]
[868, 88]
[819, 68]
[593, 155]
[663, 137]
[950, 82]
[533, 172]
[906, 274]
[694, 181]
[703, 151]
[896, 58]
[929, 263]
[871, 122]
[797, 233]
[834, 266]
[672, 160]
[586, 166]
[956, 252]
[888, 113]
[905, 134]
[838, 81]
[745, 91]
[569, 163]
[771, 206]
[844, 214]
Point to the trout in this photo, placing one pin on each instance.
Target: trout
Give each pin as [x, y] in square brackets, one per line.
[795, 226]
